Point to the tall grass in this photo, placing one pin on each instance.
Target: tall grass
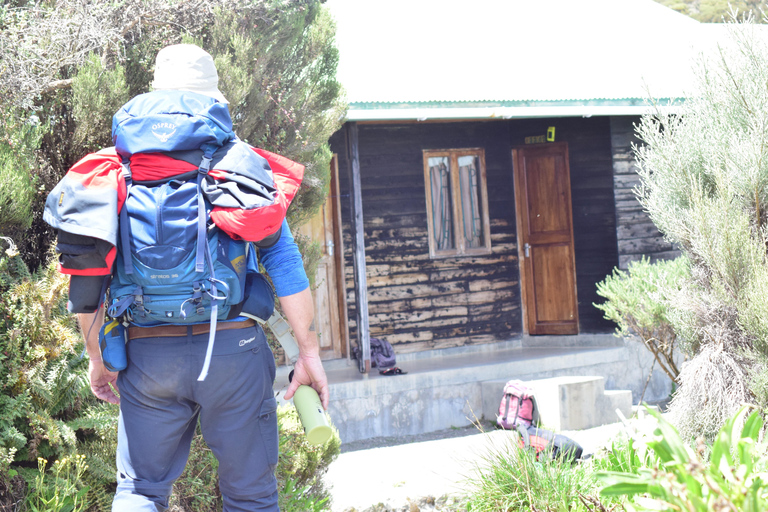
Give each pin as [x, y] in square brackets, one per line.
[511, 479]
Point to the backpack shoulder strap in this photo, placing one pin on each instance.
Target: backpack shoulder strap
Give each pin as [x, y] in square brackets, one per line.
[508, 396]
[535, 417]
[125, 225]
[526, 439]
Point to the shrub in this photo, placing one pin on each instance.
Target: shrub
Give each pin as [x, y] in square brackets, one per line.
[19, 138]
[733, 478]
[638, 301]
[622, 457]
[704, 183]
[47, 411]
[59, 488]
[46, 407]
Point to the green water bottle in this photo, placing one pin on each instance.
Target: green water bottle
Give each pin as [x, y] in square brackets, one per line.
[311, 414]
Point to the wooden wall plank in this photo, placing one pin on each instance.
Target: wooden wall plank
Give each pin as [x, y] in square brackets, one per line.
[636, 234]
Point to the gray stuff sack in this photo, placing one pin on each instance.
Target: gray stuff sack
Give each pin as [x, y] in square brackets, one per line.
[382, 353]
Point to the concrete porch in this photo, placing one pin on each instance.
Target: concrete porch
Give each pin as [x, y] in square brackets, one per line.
[443, 388]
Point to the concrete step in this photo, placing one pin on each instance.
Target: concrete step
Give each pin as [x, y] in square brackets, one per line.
[620, 399]
[566, 402]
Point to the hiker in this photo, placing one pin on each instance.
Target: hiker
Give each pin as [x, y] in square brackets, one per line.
[161, 396]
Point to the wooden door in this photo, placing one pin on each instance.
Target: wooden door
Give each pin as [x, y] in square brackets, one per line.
[545, 238]
[329, 292]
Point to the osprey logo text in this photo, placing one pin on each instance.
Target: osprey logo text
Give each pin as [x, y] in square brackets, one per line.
[163, 126]
[245, 342]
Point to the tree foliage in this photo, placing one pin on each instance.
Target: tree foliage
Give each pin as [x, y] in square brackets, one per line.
[18, 142]
[704, 177]
[67, 66]
[717, 11]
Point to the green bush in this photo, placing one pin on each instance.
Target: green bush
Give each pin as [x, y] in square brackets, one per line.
[734, 477]
[704, 183]
[59, 488]
[19, 138]
[622, 457]
[47, 411]
[639, 300]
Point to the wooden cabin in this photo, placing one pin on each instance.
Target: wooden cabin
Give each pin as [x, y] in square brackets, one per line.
[482, 182]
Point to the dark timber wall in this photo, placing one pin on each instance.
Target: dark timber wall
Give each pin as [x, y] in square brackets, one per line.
[637, 236]
[415, 302]
[418, 303]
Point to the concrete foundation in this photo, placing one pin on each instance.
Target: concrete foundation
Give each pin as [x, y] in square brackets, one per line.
[444, 388]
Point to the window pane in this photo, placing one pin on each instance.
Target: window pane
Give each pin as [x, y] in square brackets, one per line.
[469, 180]
[442, 213]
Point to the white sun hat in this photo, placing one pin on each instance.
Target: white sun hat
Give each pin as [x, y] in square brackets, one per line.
[186, 67]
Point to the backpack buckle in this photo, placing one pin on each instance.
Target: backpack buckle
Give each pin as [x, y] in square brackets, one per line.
[205, 165]
[196, 300]
[138, 301]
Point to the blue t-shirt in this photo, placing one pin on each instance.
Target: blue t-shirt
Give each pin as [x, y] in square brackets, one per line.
[284, 264]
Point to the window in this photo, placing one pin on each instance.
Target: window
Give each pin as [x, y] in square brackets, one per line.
[457, 202]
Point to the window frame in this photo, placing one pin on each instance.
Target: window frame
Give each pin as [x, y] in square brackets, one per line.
[459, 249]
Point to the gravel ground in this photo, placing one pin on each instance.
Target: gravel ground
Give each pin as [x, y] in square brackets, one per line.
[385, 442]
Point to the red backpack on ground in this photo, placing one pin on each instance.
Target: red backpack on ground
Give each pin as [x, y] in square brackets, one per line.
[556, 446]
[517, 407]
[518, 411]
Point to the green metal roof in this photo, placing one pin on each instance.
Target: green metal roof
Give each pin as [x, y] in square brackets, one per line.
[431, 59]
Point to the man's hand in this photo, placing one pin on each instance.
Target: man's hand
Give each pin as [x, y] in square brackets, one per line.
[299, 311]
[101, 378]
[309, 371]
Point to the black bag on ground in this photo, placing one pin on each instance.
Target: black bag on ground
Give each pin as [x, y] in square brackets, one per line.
[546, 441]
[382, 353]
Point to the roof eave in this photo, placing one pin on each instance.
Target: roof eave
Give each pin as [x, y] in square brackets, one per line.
[522, 112]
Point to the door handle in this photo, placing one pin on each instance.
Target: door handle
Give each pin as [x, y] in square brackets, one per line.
[527, 249]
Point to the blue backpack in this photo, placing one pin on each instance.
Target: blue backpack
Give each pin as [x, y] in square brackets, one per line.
[173, 265]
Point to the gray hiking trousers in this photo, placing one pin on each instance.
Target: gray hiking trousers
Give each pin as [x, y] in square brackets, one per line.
[161, 401]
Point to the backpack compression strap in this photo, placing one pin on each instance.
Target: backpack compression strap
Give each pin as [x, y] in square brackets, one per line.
[125, 225]
[202, 171]
[214, 315]
[203, 252]
[517, 411]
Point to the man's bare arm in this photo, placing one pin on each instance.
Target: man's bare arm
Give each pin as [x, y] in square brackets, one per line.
[299, 311]
[99, 376]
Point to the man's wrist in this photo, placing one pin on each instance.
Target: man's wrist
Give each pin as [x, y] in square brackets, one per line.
[310, 353]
